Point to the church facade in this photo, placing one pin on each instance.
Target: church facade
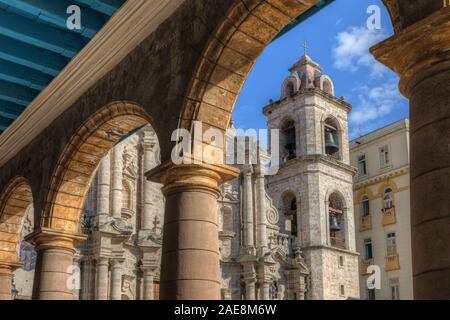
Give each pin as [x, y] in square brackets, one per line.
[288, 236]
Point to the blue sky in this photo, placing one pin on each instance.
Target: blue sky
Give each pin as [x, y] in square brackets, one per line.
[339, 39]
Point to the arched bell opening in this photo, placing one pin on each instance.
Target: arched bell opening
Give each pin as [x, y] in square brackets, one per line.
[288, 141]
[332, 138]
[336, 216]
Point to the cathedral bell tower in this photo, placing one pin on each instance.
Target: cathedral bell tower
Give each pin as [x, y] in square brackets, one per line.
[313, 188]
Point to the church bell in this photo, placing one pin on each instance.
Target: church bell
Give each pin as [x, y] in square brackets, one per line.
[334, 225]
[330, 143]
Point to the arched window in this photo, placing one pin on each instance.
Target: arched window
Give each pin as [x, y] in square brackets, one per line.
[288, 145]
[365, 206]
[332, 138]
[327, 87]
[388, 199]
[336, 219]
[290, 213]
[289, 90]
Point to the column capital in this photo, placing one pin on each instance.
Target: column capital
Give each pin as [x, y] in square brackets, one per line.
[8, 267]
[47, 238]
[417, 51]
[185, 176]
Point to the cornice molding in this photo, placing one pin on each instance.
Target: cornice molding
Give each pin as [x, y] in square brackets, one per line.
[132, 24]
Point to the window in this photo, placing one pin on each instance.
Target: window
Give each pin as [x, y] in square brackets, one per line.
[368, 250]
[384, 157]
[289, 89]
[391, 243]
[342, 290]
[395, 289]
[362, 165]
[365, 206]
[388, 200]
[290, 213]
[289, 141]
[341, 261]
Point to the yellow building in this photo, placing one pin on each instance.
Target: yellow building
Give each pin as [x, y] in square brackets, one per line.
[382, 210]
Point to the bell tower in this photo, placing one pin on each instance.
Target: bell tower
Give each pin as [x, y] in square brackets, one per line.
[313, 187]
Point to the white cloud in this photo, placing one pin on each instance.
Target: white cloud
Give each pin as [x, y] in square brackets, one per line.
[374, 103]
[351, 50]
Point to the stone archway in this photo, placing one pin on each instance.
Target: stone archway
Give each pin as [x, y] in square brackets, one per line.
[229, 55]
[60, 222]
[14, 202]
[82, 155]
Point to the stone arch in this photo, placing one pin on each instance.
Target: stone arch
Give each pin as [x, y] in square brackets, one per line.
[326, 84]
[360, 193]
[80, 159]
[15, 200]
[337, 204]
[288, 139]
[290, 86]
[387, 184]
[332, 124]
[229, 55]
[289, 205]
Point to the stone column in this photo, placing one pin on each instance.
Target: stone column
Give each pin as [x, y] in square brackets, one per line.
[116, 280]
[6, 276]
[250, 289]
[104, 180]
[420, 55]
[148, 147]
[262, 237]
[101, 287]
[248, 206]
[116, 181]
[190, 253]
[148, 285]
[265, 290]
[55, 264]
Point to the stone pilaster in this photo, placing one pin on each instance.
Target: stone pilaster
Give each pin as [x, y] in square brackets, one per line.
[262, 236]
[104, 180]
[420, 55]
[190, 252]
[55, 264]
[116, 279]
[248, 207]
[102, 279]
[148, 212]
[250, 289]
[6, 276]
[265, 290]
[117, 181]
[148, 285]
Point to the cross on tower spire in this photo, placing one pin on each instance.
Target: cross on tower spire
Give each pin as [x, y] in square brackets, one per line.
[305, 47]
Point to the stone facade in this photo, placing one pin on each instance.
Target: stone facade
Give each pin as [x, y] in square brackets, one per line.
[272, 246]
[382, 210]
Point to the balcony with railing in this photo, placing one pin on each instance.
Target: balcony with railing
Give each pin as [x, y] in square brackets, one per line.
[365, 263]
[392, 259]
[389, 216]
[365, 223]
